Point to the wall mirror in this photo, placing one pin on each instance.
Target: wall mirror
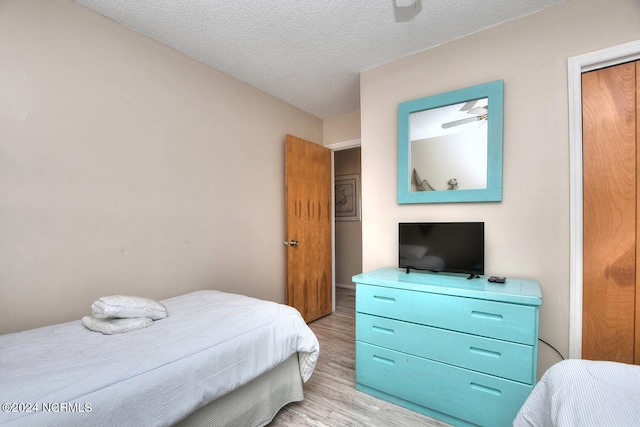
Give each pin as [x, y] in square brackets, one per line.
[450, 146]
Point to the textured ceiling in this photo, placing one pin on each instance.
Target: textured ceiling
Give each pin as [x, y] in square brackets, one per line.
[308, 53]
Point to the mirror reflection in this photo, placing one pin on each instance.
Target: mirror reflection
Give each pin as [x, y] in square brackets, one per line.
[448, 147]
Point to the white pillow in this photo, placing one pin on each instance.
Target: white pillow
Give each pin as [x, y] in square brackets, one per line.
[116, 326]
[123, 306]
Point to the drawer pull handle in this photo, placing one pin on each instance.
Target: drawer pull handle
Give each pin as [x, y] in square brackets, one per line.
[490, 316]
[384, 330]
[384, 360]
[385, 299]
[484, 352]
[486, 389]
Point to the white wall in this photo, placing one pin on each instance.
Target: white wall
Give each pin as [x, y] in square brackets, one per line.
[527, 234]
[341, 128]
[126, 167]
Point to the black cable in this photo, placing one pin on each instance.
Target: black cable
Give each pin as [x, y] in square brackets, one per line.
[554, 349]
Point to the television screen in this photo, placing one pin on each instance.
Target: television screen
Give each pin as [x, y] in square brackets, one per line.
[456, 247]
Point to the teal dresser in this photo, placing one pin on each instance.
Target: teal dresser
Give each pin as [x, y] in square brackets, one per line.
[462, 351]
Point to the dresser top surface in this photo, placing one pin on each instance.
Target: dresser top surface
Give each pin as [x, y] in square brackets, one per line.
[514, 290]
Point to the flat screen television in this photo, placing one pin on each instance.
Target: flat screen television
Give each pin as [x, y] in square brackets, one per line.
[455, 247]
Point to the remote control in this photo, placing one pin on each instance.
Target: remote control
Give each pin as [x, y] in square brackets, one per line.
[497, 279]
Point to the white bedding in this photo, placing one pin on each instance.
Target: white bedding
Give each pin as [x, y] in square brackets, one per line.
[584, 393]
[210, 344]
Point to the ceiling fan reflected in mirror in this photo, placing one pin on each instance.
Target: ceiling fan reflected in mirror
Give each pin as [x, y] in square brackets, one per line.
[479, 114]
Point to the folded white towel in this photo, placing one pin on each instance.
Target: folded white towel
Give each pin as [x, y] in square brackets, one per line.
[123, 306]
[116, 326]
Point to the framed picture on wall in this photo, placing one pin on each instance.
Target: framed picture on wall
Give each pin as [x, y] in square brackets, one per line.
[347, 197]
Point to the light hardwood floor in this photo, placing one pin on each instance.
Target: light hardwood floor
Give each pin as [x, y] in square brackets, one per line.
[330, 396]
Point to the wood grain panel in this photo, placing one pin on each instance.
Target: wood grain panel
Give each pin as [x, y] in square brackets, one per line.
[308, 221]
[637, 325]
[610, 202]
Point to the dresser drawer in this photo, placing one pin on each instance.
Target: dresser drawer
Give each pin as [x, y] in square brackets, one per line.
[460, 393]
[511, 322]
[501, 358]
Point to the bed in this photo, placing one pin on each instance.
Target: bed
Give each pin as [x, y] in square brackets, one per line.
[584, 393]
[217, 359]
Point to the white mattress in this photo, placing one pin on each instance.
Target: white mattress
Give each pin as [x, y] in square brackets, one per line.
[584, 393]
[211, 344]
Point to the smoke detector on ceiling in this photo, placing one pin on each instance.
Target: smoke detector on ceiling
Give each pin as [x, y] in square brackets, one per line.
[406, 10]
[405, 3]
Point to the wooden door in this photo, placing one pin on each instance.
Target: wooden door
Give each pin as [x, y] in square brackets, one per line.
[309, 228]
[610, 325]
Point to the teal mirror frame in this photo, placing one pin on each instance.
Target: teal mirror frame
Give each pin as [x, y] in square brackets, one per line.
[493, 192]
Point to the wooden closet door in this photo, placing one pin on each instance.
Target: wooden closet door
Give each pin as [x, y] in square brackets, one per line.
[636, 358]
[610, 214]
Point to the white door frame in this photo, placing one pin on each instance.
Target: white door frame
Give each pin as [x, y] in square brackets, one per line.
[576, 66]
[337, 146]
